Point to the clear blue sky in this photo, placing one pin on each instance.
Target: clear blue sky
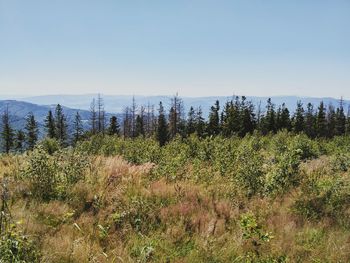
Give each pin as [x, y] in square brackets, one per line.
[198, 48]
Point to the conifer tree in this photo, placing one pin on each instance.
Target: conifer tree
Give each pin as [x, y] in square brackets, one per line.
[191, 122]
[340, 119]
[50, 125]
[7, 133]
[61, 125]
[77, 128]
[258, 117]
[113, 128]
[299, 121]
[214, 120]
[247, 118]
[93, 117]
[127, 123]
[283, 118]
[199, 123]
[150, 120]
[347, 128]
[310, 121]
[140, 130]
[162, 127]
[321, 123]
[331, 121]
[132, 121]
[269, 120]
[100, 115]
[20, 140]
[176, 122]
[31, 131]
[231, 117]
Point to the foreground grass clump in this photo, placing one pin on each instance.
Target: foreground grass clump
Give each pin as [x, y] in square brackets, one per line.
[281, 198]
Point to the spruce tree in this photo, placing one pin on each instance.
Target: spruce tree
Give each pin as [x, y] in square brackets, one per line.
[77, 128]
[191, 122]
[50, 125]
[150, 120]
[31, 131]
[162, 128]
[93, 117]
[139, 129]
[176, 122]
[299, 121]
[268, 122]
[331, 121]
[100, 115]
[321, 123]
[247, 118]
[283, 118]
[127, 123]
[310, 121]
[231, 117]
[340, 119]
[347, 128]
[200, 123]
[20, 140]
[133, 110]
[347, 125]
[214, 120]
[61, 125]
[113, 128]
[7, 133]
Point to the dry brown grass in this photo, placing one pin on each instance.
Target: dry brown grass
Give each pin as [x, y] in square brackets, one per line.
[181, 212]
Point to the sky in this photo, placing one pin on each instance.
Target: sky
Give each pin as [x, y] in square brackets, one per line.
[193, 47]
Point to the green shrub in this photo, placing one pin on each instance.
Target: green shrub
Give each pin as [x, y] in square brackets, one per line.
[283, 173]
[51, 175]
[248, 167]
[306, 147]
[41, 170]
[253, 232]
[17, 247]
[325, 196]
[50, 145]
[340, 162]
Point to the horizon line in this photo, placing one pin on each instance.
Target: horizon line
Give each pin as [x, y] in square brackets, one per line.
[12, 96]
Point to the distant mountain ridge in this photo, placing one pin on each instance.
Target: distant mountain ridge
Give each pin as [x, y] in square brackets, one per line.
[19, 110]
[116, 103]
[40, 105]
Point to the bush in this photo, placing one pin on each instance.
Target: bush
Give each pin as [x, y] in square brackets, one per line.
[41, 170]
[50, 145]
[283, 173]
[340, 162]
[17, 247]
[325, 196]
[253, 232]
[248, 167]
[51, 175]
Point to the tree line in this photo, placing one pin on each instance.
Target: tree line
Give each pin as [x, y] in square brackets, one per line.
[237, 117]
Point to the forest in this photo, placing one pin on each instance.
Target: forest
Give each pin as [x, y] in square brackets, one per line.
[244, 184]
[237, 117]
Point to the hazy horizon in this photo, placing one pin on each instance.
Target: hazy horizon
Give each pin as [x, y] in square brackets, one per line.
[9, 96]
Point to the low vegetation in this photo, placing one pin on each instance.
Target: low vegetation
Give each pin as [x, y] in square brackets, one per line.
[273, 198]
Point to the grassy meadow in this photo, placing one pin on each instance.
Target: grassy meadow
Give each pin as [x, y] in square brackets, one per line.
[275, 198]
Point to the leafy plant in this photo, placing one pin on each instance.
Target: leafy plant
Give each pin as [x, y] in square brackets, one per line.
[253, 232]
[249, 167]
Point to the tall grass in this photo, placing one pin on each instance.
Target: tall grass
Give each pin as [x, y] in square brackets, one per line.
[281, 198]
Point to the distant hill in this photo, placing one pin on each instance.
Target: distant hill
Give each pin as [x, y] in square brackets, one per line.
[116, 103]
[20, 109]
